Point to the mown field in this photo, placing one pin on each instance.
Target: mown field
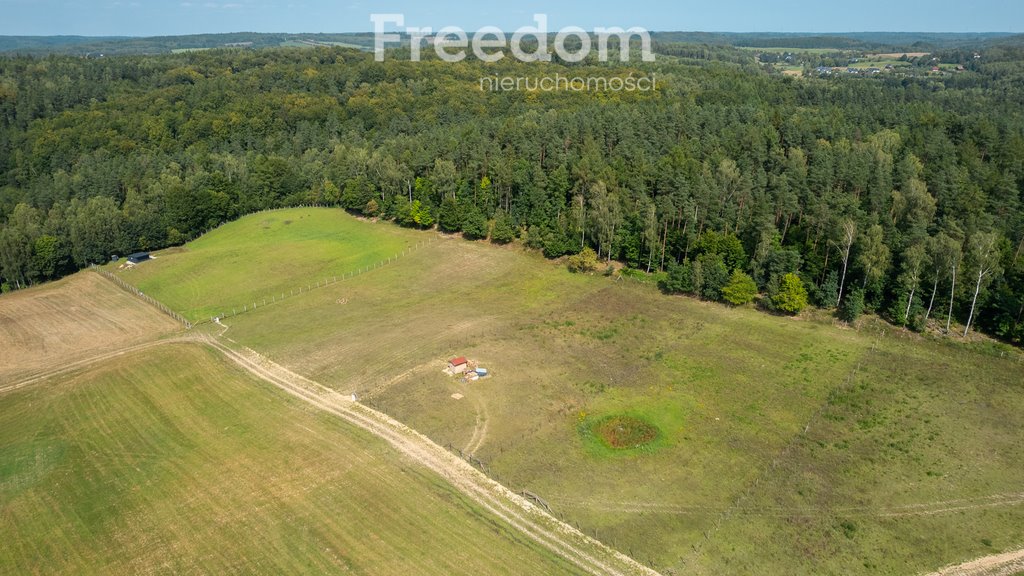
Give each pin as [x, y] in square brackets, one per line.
[784, 445]
[172, 461]
[263, 256]
[51, 326]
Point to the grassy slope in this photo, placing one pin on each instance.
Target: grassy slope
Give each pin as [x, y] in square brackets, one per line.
[264, 255]
[175, 462]
[732, 390]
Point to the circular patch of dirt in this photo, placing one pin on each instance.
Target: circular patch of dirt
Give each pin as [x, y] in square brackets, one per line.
[623, 432]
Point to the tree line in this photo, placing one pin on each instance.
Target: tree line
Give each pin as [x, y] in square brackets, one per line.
[898, 196]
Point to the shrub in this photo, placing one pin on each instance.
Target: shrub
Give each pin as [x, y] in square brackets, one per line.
[714, 275]
[504, 230]
[852, 306]
[585, 261]
[678, 278]
[791, 295]
[740, 290]
[474, 225]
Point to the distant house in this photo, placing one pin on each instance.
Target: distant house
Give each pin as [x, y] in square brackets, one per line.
[138, 258]
[458, 365]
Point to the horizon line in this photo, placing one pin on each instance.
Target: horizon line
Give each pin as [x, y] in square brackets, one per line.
[370, 32]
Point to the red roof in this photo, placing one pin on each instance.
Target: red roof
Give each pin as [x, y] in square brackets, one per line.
[458, 361]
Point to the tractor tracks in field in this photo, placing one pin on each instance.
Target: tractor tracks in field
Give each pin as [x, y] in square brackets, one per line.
[479, 429]
[584, 552]
[581, 550]
[38, 377]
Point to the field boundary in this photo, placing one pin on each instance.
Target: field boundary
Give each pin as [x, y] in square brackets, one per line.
[144, 297]
[311, 286]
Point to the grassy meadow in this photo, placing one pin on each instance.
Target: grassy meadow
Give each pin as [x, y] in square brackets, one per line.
[783, 445]
[262, 256]
[172, 461]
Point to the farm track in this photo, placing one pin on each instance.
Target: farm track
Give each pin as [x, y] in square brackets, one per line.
[479, 429]
[567, 542]
[1005, 564]
[562, 539]
[38, 377]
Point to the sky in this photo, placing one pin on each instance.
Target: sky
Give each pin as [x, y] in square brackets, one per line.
[176, 17]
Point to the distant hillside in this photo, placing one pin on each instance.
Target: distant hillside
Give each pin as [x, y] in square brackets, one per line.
[49, 43]
[885, 41]
[842, 41]
[79, 45]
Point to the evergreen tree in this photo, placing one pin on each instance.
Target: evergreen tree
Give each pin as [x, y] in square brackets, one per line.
[791, 295]
[740, 290]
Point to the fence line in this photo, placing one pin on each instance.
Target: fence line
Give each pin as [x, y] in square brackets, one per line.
[270, 300]
[145, 297]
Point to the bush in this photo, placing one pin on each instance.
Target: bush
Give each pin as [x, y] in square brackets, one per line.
[449, 218]
[852, 306]
[474, 225]
[504, 230]
[828, 291]
[678, 278]
[585, 261]
[791, 295]
[714, 275]
[740, 290]
[372, 208]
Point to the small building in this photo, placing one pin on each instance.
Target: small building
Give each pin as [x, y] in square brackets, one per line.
[138, 257]
[458, 365]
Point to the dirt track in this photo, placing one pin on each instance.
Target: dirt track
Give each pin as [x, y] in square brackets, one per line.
[566, 541]
[1005, 564]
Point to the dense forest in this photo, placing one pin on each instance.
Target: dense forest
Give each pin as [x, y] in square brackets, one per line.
[900, 196]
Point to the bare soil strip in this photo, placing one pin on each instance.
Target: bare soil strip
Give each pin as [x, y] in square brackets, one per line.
[1005, 564]
[587, 553]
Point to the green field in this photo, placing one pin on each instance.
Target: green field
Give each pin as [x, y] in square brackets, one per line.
[880, 64]
[173, 461]
[264, 256]
[784, 445]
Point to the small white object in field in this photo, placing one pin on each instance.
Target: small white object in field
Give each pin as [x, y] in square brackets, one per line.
[457, 396]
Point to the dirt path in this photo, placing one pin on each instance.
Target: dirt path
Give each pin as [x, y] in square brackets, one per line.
[1005, 564]
[480, 430]
[47, 374]
[562, 539]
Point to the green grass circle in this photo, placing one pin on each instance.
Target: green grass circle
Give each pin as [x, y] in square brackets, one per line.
[624, 432]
